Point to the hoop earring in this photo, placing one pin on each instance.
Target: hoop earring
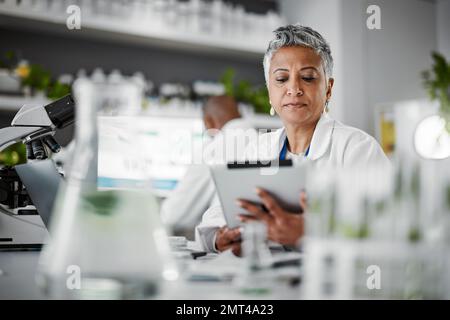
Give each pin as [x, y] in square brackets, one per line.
[272, 111]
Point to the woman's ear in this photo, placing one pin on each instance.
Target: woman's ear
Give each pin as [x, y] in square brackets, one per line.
[330, 88]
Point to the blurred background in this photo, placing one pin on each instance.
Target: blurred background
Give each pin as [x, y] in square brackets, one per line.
[181, 42]
[391, 72]
[186, 50]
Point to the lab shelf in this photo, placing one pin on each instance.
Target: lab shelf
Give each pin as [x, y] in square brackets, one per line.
[14, 103]
[131, 31]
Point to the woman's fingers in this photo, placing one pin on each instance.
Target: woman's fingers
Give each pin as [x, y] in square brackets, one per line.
[227, 237]
[289, 231]
[236, 249]
[232, 235]
[269, 202]
[255, 210]
[247, 218]
[224, 247]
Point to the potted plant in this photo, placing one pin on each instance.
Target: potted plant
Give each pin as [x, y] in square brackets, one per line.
[437, 83]
[432, 135]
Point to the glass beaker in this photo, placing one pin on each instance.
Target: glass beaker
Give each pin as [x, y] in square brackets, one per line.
[105, 243]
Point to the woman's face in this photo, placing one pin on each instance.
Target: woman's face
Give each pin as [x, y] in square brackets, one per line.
[297, 85]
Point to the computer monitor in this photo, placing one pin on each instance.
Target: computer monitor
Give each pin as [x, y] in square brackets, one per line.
[136, 151]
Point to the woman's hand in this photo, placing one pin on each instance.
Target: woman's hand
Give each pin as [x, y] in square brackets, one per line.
[229, 239]
[283, 227]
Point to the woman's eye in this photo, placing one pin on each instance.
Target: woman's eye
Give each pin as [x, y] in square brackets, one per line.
[308, 79]
[281, 80]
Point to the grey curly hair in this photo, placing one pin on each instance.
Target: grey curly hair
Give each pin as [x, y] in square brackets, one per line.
[298, 35]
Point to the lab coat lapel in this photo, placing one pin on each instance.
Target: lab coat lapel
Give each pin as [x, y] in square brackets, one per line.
[320, 141]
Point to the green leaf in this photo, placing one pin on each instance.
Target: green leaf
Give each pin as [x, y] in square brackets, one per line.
[437, 83]
[258, 97]
[58, 90]
[227, 80]
[243, 91]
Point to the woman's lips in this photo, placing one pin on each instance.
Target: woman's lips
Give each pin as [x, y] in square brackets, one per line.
[295, 105]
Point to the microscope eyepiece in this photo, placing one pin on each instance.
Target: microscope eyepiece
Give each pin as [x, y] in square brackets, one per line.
[62, 111]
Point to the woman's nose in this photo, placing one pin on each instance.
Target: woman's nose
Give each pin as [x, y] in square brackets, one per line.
[294, 90]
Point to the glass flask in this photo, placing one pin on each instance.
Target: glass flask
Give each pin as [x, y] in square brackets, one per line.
[105, 243]
[256, 276]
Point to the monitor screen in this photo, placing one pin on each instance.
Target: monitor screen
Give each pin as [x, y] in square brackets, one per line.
[134, 152]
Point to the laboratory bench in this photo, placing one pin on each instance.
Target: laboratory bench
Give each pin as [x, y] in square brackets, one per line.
[200, 279]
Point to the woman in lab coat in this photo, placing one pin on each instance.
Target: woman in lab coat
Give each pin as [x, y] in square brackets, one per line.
[298, 71]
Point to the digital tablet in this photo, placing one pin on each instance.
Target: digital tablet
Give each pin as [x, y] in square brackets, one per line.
[239, 181]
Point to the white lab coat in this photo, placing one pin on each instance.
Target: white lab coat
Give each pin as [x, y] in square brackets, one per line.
[194, 193]
[333, 144]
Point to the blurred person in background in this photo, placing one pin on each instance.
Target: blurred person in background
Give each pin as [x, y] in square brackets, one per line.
[194, 193]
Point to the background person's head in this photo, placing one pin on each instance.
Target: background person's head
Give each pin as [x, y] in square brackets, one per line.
[298, 69]
[218, 110]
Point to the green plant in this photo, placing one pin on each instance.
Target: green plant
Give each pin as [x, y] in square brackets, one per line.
[35, 77]
[58, 90]
[38, 78]
[437, 83]
[244, 92]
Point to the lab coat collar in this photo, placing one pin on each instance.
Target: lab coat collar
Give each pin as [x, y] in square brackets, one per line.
[321, 139]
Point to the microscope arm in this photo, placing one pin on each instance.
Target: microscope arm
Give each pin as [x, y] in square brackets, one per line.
[11, 135]
[32, 123]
